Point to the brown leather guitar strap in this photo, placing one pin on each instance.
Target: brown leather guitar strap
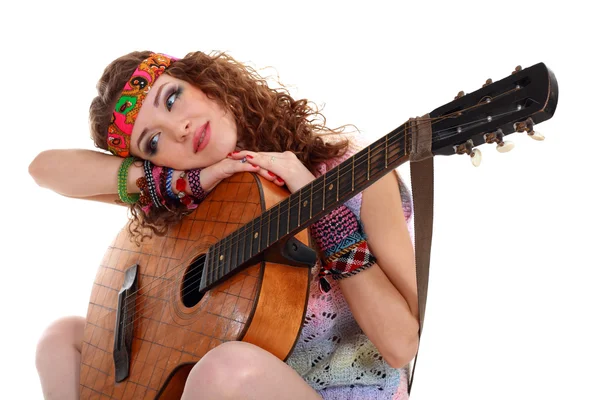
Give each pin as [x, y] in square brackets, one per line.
[421, 175]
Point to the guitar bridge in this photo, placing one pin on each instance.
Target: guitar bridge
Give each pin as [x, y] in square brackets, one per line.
[124, 324]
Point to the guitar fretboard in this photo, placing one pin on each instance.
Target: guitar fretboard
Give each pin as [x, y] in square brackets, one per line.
[308, 204]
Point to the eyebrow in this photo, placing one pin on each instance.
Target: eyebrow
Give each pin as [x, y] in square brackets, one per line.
[158, 94]
[139, 142]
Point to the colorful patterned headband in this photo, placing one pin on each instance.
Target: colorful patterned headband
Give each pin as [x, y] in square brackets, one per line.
[130, 102]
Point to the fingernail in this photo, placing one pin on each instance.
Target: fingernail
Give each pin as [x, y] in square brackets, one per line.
[279, 179]
[270, 173]
[249, 156]
[229, 155]
[235, 152]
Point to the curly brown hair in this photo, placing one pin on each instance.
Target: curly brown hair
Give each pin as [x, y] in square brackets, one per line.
[267, 119]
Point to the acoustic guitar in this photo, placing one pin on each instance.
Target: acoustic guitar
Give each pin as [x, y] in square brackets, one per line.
[238, 267]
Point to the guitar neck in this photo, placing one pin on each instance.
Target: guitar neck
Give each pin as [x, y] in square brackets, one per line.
[309, 204]
[514, 103]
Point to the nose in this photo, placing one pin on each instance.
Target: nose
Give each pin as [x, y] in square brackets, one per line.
[183, 130]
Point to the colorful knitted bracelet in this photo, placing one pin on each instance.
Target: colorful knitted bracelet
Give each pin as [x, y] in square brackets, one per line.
[122, 182]
[341, 238]
[194, 179]
[169, 184]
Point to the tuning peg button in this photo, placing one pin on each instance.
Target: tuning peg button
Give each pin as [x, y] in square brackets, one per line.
[505, 147]
[476, 157]
[536, 135]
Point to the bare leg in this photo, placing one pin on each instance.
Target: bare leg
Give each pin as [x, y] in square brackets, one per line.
[57, 358]
[242, 371]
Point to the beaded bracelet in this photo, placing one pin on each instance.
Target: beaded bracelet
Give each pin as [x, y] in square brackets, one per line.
[122, 182]
[150, 182]
[343, 241]
[145, 202]
[180, 185]
[194, 179]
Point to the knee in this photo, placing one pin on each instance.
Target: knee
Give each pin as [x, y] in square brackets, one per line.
[64, 332]
[226, 370]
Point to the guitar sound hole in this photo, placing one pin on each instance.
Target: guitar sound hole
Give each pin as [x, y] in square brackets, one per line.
[190, 290]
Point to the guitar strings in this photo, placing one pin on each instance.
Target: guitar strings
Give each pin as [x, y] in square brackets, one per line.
[243, 231]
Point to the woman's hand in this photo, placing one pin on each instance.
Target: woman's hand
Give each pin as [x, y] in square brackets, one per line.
[212, 175]
[280, 168]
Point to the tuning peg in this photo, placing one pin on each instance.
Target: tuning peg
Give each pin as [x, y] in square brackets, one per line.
[517, 69]
[487, 83]
[459, 95]
[467, 148]
[527, 126]
[498, 138]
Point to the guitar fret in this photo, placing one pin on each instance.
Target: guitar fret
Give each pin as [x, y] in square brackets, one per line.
[289, 208]
[324, 194]
[353, 174]
[278, 219]
[208, 260]
[386, 151]
[211, 278]
[299, 205]
[368, 162]
[337, 193]
[311, 192]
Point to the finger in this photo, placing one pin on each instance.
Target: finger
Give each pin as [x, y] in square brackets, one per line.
[257, 158]
[235, 166]
[265, 160]
[271, 176]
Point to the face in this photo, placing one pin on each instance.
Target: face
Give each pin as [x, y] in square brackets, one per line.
[178, 126]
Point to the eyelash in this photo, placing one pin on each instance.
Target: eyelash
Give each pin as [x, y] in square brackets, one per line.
[152, 144]
[177, 93]
[150, 148]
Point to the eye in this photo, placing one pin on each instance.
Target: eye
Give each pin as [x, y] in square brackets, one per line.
[152, 145]
[172, 97]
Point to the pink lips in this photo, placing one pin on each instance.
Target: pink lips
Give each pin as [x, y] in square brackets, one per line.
[204, 130]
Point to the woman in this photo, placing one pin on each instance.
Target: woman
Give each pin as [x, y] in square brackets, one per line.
[197, 121]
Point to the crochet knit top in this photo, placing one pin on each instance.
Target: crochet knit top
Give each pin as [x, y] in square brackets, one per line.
[332, 354]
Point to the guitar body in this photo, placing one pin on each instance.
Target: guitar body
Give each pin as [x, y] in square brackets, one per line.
[264, 304]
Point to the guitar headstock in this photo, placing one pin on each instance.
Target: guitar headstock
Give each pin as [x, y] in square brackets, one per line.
[514, 104]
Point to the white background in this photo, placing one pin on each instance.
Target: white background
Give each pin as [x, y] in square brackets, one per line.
[513, 301]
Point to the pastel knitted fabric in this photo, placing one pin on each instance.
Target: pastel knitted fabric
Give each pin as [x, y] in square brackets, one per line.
[332, 354]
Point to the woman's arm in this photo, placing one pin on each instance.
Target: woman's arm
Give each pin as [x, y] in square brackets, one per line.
[92, 175]
[83, 174]
[383, 298]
